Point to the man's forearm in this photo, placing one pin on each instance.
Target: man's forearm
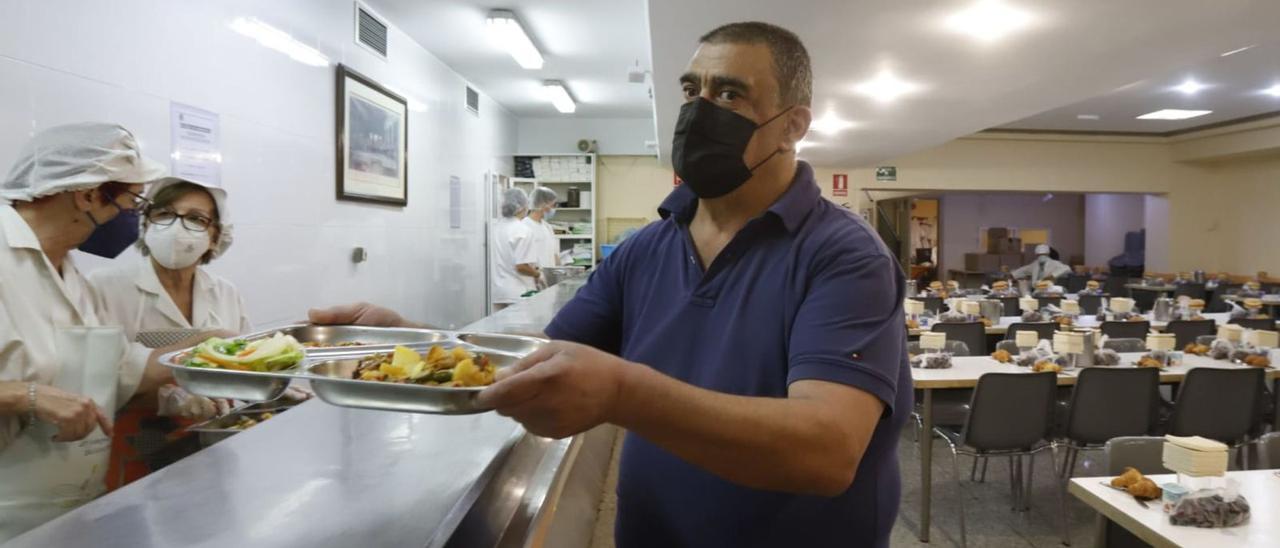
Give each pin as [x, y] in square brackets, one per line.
[782, 444]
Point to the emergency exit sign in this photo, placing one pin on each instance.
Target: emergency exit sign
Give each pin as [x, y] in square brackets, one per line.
[840, 184]
[886, 173]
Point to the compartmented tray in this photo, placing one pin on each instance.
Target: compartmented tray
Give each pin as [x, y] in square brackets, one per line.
[220, 428]
[370, 339]
[329, 372]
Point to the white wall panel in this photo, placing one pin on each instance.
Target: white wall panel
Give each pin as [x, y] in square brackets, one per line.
[125, 61]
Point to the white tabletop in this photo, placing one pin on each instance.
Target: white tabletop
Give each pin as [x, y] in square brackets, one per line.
[1260, 487]
[964, 371]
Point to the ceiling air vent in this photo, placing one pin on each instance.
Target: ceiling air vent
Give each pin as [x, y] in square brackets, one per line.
[371, 32]
[473, 100]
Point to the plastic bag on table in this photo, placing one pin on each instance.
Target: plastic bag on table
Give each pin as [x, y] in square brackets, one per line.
[1043, 351]
[1212, 508]
[1106, 357]
[932, 360]
[1221, 349]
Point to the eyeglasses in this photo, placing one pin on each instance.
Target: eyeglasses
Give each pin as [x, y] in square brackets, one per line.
[192, 221]
[138, 201]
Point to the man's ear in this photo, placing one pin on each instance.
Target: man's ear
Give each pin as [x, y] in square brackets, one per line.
[797, 125]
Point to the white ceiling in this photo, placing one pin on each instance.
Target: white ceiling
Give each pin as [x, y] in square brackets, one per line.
[1234, 91]
[1076, 50]
[590, 44]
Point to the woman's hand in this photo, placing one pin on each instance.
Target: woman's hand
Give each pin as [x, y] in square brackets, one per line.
[75, 416]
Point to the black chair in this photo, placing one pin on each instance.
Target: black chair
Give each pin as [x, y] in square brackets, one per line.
[1106, 403]
[1263, 324]
[1010, 415]
[1044, 330]
[950, 407]
[932, 304]
[1126, 330]
[1146, 453]
[1190, 289]
[1125, 345]
[1050, 301]
[1269, 451]
[972, 334]
[1144, 300]
[1219, 404]
[1074, 283]
[1089, 304]
[1216, 302]
[1187, 331]
[1115, 286]
[1011, 307]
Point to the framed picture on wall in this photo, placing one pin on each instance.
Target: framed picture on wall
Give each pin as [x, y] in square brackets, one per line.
[373, 131]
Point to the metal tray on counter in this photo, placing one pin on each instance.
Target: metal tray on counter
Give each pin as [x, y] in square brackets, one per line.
[329, 374]
[370, 339]
[220, 428]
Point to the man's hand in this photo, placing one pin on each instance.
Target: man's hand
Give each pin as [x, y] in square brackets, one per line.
[358, 314]
[560, 390]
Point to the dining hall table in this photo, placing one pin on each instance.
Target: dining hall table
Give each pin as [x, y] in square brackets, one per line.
[1090, 320]
[965, 372]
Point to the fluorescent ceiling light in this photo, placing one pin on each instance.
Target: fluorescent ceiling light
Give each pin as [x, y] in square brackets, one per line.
[1190, 87]
[1273, 91]
[1238, 50]
[270, 37]
[830, 124]
[1088, 117]
[559, 96]
[506, 31]
[1173, 114]
[886, 87]
[989, 20]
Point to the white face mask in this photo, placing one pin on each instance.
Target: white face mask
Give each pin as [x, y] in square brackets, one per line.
[174, 246]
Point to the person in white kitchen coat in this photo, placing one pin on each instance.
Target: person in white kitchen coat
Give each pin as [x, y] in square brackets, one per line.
[73, 186]
[515, 269]
[545, 243]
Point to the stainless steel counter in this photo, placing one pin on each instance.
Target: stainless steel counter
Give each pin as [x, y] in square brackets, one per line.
[322, 476]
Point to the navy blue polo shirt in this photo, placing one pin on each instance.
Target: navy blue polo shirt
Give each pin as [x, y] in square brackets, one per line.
[804, 291]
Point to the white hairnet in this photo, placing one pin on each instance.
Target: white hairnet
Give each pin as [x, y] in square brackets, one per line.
[514, 200]
[543, 196]
[219, 201]
[1042, 249]
[77, 157]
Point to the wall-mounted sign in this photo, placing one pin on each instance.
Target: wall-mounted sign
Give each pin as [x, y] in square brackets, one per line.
[195, 152]
[840, 184]
[886, 173]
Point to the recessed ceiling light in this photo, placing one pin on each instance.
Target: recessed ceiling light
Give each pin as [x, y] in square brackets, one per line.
[1173, 114]
[989, 20]
[830, 124]
[559, 96]
[1273, 91]
[1190, 87]
[886, 87]
[506, 31]
[1088, 117]
[1238, 50]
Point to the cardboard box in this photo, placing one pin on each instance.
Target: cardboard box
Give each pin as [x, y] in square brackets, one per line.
[1011, 260]
[981, 262]
[997, 233]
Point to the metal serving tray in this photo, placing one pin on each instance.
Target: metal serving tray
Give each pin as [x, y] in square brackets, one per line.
[512, 344]
[228, 383]
[331, 381]
[375, 339]
[220, 428]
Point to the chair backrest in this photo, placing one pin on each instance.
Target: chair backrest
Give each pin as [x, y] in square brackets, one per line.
[1216, 303]
[1008, 346]
[1190, 289]
[1126, 330]
[1146, 453]
[1219, 404]
[1269, 451]
[1186, 331]
[1089, 304]
[1206, 339]
[1010, 411]
[1143, 301]
[972, 334]
[1115, 286]
[932, 304]
[955, 348]
[1268, 324]
[1011, 306]
[1050, 301]
[1122, 344]
[1044, 330]
[1112, 402]
[1075, 282]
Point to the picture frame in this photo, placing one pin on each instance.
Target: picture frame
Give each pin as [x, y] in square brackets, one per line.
[372, 141]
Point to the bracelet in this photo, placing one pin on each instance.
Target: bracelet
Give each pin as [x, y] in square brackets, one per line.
[31, 404]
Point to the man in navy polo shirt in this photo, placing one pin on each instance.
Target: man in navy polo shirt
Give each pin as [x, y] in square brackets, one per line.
[752, 342]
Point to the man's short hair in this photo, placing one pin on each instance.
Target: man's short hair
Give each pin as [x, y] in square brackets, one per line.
[790, 60]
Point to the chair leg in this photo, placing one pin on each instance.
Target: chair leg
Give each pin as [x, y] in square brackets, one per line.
[973, 474]
[955, 470]
[983, 478]
[1031, 470]
[1013, 483]
[1061, 487]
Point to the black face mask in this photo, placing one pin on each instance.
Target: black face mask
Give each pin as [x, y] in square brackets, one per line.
[708, 147]
[111, 238]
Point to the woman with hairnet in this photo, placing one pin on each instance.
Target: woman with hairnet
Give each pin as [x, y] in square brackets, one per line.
[545, 245]
[62, 375]
[515, 269]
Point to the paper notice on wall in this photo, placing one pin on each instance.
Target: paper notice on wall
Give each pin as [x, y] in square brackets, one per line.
[195, 150]
[455, 202]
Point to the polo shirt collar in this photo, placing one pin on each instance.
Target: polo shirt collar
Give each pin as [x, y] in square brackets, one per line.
[791, 208]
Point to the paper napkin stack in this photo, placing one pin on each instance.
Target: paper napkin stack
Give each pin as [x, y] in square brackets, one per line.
[1195, 456]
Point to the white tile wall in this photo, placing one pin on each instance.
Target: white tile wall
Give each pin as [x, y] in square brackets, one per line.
[124, 61]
